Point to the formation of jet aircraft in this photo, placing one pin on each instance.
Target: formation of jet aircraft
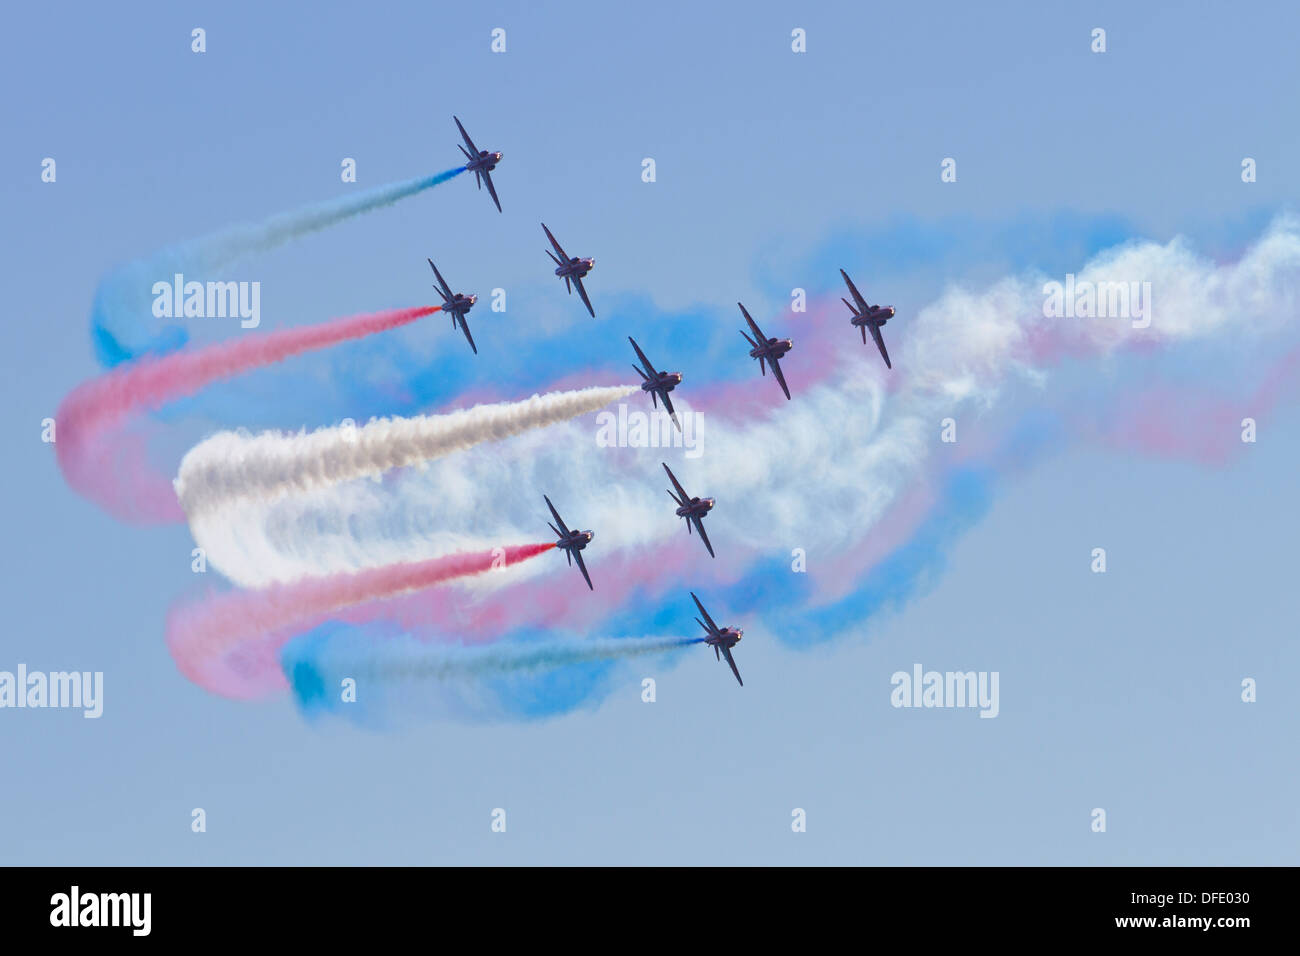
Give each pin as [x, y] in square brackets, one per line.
[571, 269]
[768, 351]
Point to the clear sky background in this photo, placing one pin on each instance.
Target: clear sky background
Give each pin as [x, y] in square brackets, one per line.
[1118, 691]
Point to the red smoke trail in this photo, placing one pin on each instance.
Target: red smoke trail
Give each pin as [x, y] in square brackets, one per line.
[229, 643]
[103, 462]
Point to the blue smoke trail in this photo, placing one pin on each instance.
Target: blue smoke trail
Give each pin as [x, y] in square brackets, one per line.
[398, 676]
[122, 314]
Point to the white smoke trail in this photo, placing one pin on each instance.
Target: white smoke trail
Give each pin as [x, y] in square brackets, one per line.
[818, 472]
[230, 466]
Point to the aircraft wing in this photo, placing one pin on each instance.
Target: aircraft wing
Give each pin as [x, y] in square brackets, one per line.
[699, 526]
[464, 327]
[668, 407]
[558, 519]
[583, 568]
[726, 652]
[562, 253]
[644, 361]
[468, 142]
[880, 343]
[753, 326]
[676, 484]
[583, 293]
[862, 303]
[487, 178]
[442, 283]
[704, 612]
[776, 370]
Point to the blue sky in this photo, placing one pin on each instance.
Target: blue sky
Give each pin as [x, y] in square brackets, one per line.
[1119, 691]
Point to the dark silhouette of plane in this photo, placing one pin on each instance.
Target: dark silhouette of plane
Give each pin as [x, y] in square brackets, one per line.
[571, 542]
[571, 269]
[456, 305]
[481, 163]
[767, 350]
[658, 384]
[722, 639]
[692, 509]
[866, 317]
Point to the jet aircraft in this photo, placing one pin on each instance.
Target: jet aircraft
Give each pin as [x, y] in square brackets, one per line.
[571, 542]
[481, 163]
[455, 305]
[571, 269]
[692, 509]
[722, 639]
[868, 317]
[767, 350]
[658, 384]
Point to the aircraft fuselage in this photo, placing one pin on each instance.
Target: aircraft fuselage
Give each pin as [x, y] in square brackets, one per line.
[664, 382]
[483, 162]
[575, 540]
[697, 508]
[575, 268]
[877, 316]
[460, 304]
[772, 348]
[726, 637]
